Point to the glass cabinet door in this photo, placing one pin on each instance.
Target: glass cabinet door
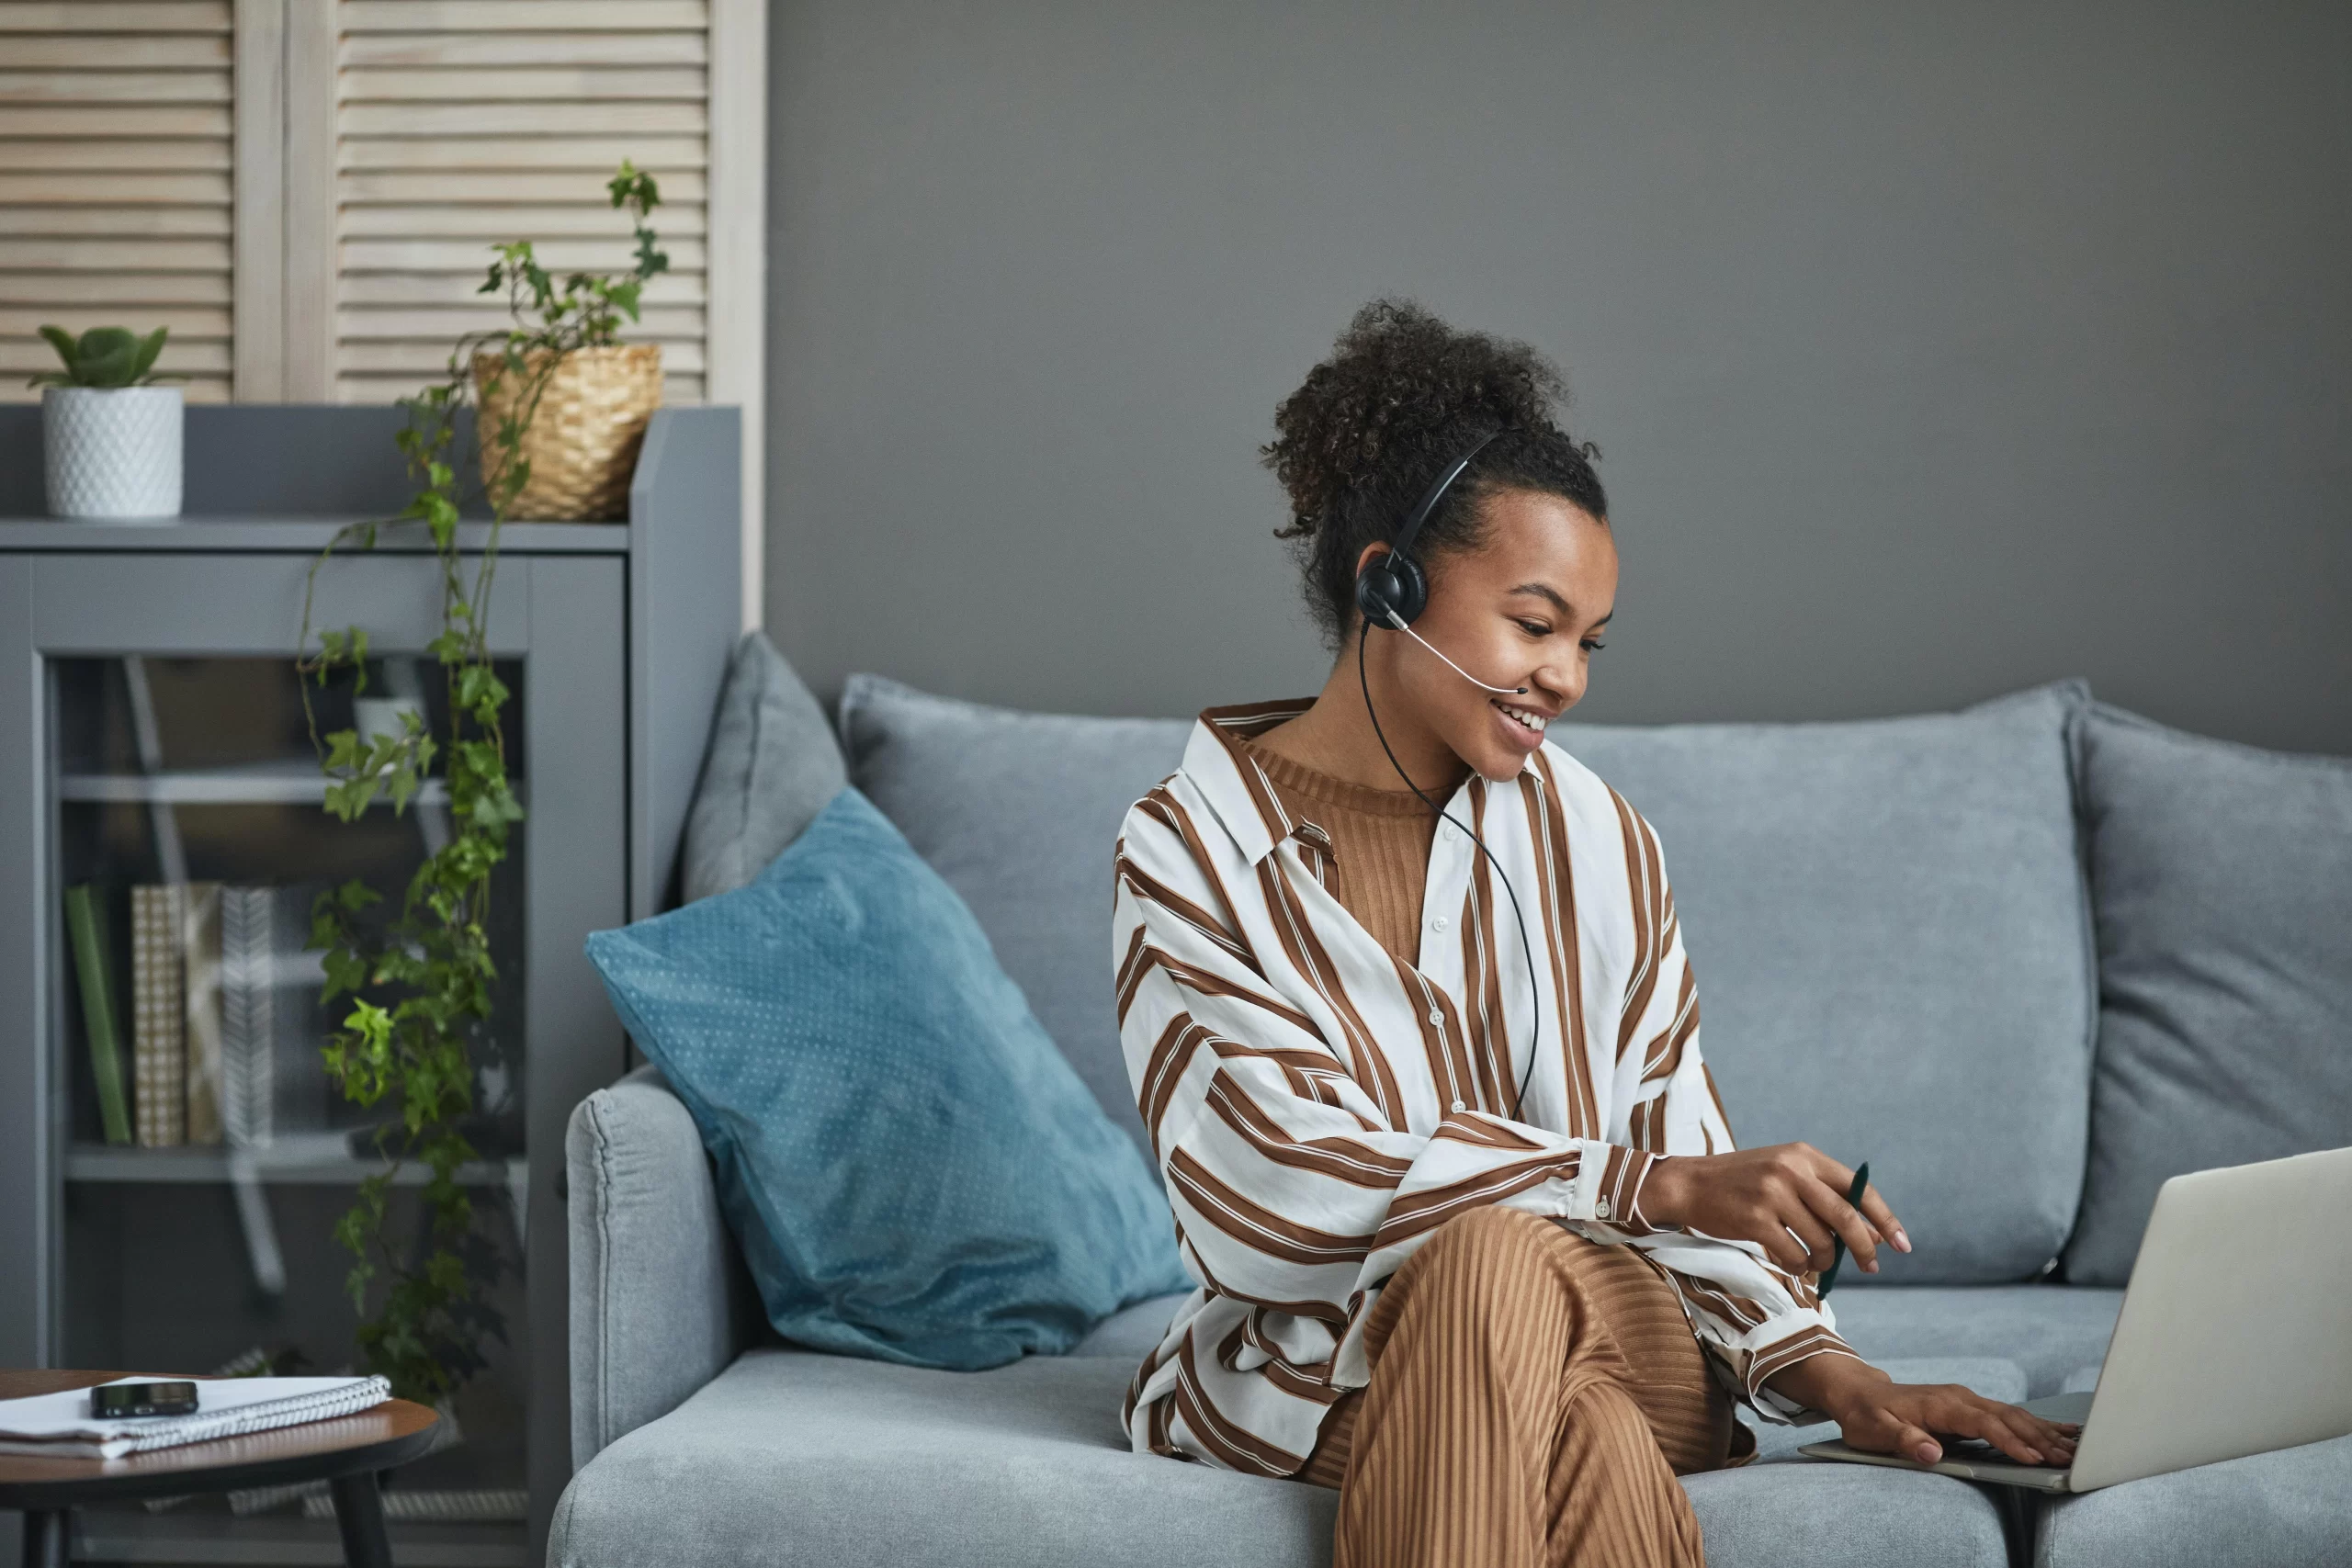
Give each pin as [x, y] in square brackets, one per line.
[208, 1156]
[177, 1156]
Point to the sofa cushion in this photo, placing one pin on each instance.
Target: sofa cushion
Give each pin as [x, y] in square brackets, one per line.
[2285, 1509]
[1800, 1512]
[1132, 1332]
[1891, 943]
[2222, 883]
[794, 1458]
[791, 1458]
[912, 1171]
[2047, 1332]
[1020, 812]
[771, 767]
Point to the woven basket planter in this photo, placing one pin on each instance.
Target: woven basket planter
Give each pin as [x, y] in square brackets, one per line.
[583, 441]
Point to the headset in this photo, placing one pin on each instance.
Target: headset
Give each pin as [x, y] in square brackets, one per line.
[1393, 590]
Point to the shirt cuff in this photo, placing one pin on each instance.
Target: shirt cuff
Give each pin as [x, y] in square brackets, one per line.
[1779, 1357]
[1617, 1191]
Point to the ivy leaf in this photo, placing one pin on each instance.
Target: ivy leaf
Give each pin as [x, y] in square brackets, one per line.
[482, 693]
[345, 972]
[350, 799]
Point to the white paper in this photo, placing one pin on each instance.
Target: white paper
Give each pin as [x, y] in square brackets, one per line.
[62, 1425]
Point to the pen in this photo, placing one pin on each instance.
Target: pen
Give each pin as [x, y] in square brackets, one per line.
[1837, 1242]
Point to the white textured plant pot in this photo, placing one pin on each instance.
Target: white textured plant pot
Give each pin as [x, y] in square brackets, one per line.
[113, 453]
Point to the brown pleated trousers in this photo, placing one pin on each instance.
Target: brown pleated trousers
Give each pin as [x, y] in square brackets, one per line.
[1533, 1395]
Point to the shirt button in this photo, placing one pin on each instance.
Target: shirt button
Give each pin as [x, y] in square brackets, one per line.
[1437, 1016]
[1457, 1105]
[1601, 1208]
[1438, 923]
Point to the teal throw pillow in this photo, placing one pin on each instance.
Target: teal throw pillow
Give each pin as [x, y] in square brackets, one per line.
[914, 1172]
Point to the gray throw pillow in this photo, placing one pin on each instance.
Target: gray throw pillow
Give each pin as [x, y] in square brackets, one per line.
[771, 765]
[2221, 887]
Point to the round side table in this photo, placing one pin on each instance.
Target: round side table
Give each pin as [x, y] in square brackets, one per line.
[346, 1452]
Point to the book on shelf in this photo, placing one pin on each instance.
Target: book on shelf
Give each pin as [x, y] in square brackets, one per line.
[248, 1014]
[273, 1078]
[199, 913]
[226, 1024]
[159, 1017]
[91, 937]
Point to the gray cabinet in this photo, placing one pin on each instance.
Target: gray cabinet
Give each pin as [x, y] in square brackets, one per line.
[151, 734]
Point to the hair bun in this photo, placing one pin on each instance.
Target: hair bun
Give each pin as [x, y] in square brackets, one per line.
[1402, 394]
[1399, 381]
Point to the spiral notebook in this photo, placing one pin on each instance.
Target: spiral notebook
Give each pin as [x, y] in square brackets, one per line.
[60, 1426]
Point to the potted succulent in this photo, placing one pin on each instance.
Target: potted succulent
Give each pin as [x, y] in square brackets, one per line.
[110, 437]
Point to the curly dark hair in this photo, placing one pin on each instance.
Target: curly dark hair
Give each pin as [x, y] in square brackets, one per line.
[1403, 395]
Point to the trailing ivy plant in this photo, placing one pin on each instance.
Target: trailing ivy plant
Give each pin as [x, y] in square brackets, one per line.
[419, 979]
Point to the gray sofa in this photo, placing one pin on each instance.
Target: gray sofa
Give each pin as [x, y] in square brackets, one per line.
[2029, 959]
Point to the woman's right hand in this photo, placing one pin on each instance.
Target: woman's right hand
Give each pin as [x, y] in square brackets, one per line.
[1788, 1199]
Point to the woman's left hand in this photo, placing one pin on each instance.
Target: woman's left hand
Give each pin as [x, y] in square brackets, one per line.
[1879, 1416]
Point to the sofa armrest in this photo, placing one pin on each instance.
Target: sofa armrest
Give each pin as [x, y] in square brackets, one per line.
[661, 1302]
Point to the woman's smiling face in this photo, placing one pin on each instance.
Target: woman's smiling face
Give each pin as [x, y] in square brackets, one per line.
[1523, 607]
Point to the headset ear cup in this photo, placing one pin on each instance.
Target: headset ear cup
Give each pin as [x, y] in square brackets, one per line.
[1411, 594]
[1376, 592]
[1392, 584]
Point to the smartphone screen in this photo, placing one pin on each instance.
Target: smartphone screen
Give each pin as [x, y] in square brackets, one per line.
[120, 1399]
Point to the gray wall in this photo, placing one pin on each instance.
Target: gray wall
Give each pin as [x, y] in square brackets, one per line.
[1932, 351]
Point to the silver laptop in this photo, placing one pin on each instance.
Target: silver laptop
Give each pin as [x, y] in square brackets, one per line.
[2236, 1335]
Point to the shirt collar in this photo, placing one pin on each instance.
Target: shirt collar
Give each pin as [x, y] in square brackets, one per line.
[1230, 780]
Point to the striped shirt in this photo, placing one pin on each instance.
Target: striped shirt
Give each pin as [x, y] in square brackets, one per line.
[1317, 1107]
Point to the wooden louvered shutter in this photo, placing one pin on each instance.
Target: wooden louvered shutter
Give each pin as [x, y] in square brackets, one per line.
[455, 125]
[462, 123]
[307, 191]
[117, 202]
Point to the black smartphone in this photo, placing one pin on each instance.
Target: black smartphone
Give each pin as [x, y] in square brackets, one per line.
[120, 1399]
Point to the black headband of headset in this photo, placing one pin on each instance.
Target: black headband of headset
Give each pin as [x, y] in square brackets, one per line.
[1404, 544]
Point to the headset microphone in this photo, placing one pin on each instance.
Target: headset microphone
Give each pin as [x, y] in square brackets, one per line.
[1391, 589]
[1450, 664]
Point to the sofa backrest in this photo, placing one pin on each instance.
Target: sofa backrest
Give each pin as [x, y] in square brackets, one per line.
[1020, 812]
[2223, 879]
[1886, 919]
[1889, 931]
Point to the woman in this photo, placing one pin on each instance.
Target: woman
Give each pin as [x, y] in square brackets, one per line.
[1472, 1242]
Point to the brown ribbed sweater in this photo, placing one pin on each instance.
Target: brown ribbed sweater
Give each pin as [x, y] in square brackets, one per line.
[1380, 847]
